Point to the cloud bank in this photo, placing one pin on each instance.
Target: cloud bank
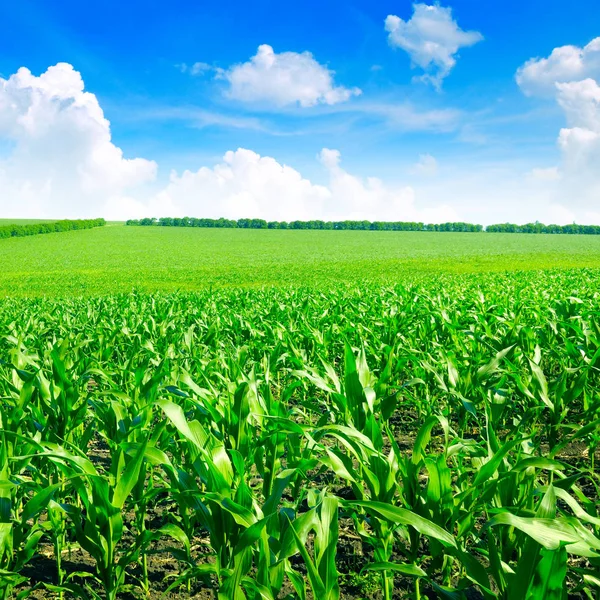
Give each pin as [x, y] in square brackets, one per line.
[570, 75]
[58, 159]
[63, 163]
[247, 184]
[62, 159]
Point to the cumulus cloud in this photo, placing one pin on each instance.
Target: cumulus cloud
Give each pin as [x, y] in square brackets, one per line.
[432, 39]
[569, 74]
[62, 160]
[540, 76]
[284, 79]
[246, 184]
[581, 102]
[371, 199]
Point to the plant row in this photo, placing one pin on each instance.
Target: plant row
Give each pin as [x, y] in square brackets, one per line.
[432, 440]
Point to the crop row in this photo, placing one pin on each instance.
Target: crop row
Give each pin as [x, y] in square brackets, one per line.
[415, 441]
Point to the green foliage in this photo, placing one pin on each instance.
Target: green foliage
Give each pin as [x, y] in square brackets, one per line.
[370, 225]
[444, 430]
[33, 228]
[537, 227]
[115, 259]
[315, 224]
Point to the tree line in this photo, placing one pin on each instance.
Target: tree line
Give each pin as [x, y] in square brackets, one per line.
[15, 230]
[316, 224]
[369, 225]
[541, 228]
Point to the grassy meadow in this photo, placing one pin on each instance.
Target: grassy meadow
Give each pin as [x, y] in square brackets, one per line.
[293, 415]
[116, 258]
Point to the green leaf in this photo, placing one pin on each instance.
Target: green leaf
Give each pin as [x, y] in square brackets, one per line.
[402, 516]
[404, 569]
[549, 580]
[552, 533]
[129, 478]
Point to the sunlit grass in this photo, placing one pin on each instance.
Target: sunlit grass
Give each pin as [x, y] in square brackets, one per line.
[119, 259]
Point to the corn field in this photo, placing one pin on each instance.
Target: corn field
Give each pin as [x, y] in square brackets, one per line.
[432, 440]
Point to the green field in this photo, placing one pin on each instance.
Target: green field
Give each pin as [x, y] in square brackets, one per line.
[119, 258]
[299, 415]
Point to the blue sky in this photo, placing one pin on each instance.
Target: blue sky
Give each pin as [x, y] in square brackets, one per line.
[467, 141]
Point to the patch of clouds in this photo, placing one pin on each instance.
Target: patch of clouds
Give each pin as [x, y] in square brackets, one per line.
[580, 101]
[245, 184]
[570, 75]
[470, 134]
[197, 68]
[427, 166]
[287, 78]
[545, 174]
[201, 118]
[62, 161]
[371, 199]
[59, 160]
[540, 76]
[432, 38]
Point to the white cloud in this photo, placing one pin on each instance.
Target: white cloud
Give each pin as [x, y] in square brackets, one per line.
[569, 75]
[580, 143]
[539, 76]
[197, 68]
[246, 184]
[200, 118]
[371, 199]
[62, 160]
[581, 102]
[284, 79]
[57, 159]
[427, 165]
[545, 174]
[432, 38]
[330, 159]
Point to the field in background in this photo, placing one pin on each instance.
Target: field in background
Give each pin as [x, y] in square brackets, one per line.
[299, 414]
[119, 259]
